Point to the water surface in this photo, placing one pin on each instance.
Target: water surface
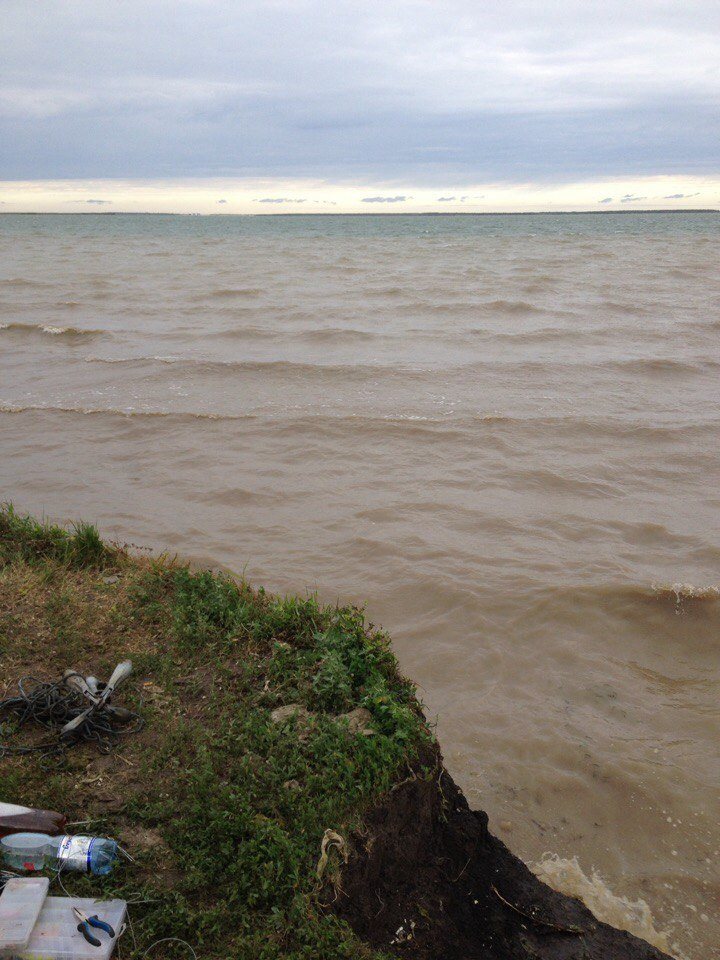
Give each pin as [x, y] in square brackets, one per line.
[500, 432]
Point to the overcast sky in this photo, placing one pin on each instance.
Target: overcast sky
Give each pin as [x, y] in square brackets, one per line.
[424, 93]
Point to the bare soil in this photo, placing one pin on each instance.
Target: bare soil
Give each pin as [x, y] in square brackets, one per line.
[428, 881]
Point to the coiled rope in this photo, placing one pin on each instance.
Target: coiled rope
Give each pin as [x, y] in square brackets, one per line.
[52, 705]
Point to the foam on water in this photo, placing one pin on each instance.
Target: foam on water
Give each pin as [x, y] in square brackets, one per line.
[66, 332]
[686, 591]
[635, 916]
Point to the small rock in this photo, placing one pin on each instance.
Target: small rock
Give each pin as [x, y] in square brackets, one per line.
[111, 579]
[505, 825]
[358, 720]
[281, 714]
[291, 785]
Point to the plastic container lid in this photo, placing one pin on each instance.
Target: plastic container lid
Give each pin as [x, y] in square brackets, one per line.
[21, 902]
[56, 937]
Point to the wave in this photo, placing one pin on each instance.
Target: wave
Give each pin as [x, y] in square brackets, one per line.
[634, 309]
[280, 368]
[243, 333]
[318, 335]
[75, 334]
[544, 335]
[391, 292]
[442, 427]
[664, 364]
[680, 593]
[230, 293]
[635, 916]
[431, 304]
[625, 595]
[333, 334]
[355, 371]
[592, 427]
[24, 282]
[10, 408]
[327, 424]
[511, 307]
[291, 422]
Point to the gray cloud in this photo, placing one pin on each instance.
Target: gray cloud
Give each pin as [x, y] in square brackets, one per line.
[384, 199]
[222, 201]
[606, 200]
[681, 196]
[279, 200]
[445, 199]
[91, 201]
[630, 198]
[507, 92]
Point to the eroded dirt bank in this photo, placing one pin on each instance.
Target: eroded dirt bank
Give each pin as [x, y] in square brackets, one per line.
[429, 881]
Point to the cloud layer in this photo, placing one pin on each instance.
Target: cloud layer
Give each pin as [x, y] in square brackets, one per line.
[228, 195]
[401, 199]
[295, 88]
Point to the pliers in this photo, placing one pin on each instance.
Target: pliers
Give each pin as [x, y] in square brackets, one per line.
[86, 922]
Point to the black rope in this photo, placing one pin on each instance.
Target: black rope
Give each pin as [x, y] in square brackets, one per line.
[52, 705]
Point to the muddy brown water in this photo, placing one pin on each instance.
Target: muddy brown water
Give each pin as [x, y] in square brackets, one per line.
[499, 433]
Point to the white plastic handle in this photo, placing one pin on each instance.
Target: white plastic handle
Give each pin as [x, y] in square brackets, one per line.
[121, 672]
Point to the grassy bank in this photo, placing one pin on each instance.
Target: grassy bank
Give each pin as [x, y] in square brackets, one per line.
[222, 806]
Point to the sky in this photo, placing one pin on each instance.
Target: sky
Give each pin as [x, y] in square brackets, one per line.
[228, 106]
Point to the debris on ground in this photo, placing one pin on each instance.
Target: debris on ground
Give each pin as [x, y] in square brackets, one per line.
[75, 709]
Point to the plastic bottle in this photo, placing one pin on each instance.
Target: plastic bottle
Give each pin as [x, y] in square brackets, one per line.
[33, 851]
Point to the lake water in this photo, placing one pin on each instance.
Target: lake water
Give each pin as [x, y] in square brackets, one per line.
[501, 432]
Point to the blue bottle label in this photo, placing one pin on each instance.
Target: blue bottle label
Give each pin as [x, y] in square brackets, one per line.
[74, 853]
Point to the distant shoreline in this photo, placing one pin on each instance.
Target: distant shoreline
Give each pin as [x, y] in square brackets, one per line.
[373, 213]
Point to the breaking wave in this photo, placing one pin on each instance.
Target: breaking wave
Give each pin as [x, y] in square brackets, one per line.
[635, 916]
[681, 593]
[75, 334]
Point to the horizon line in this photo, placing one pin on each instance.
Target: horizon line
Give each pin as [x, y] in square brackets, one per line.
[358, 213]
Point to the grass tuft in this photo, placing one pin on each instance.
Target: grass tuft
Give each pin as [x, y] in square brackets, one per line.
[35, 541]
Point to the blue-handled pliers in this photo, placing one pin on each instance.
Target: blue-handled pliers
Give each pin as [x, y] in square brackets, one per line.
[87, 922]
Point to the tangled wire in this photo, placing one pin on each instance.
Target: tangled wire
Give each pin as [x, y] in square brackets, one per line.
[52, 705]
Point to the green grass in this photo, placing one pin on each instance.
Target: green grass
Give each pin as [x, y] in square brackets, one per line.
[23, 537]
[236, 805]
